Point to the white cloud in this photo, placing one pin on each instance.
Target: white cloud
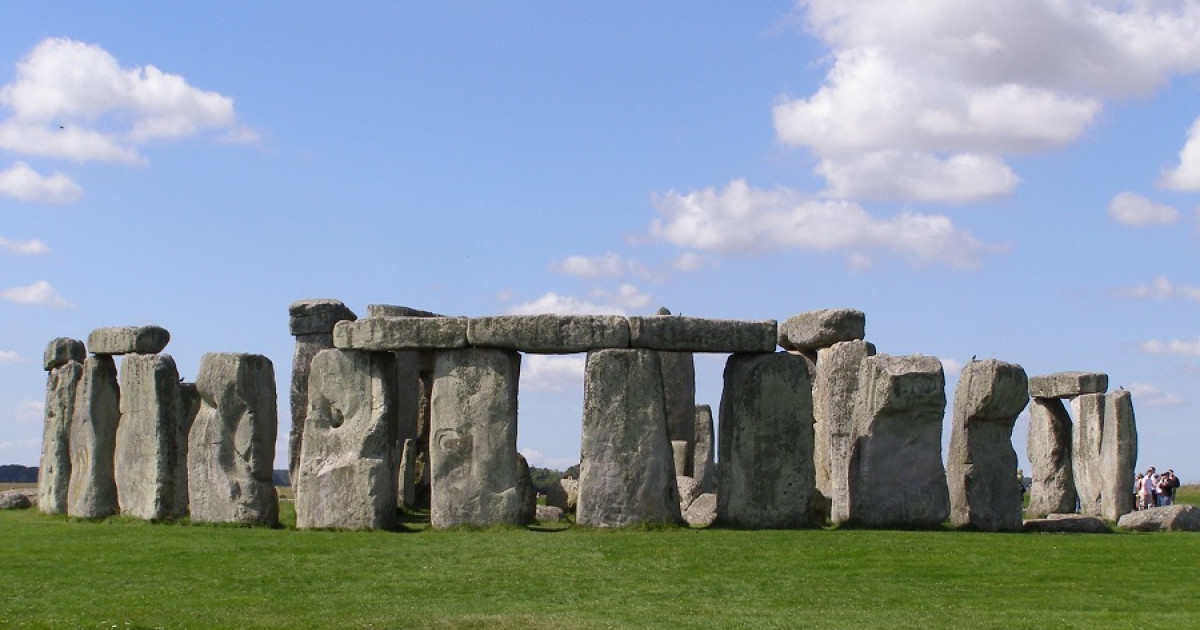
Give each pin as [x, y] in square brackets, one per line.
[39, 292]
[1172, 347]
[25, 184]
[554, 303]
[8, 356]
[1151, 396]
[1159, 288]
[743, 220]
[541, 372]
[951, 367]
[917, 176]
[24, 248]
[626, 296]
[1186, 175]
[538, 460]
[687, 261]
[610, 265]
[1133, 209]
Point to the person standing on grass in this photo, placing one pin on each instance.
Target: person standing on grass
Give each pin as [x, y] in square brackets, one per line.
[1169, 483]
[1139, 492]
[1150, 487]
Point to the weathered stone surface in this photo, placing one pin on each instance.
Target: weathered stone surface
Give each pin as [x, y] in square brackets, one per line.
[1067, 384]
[1067, 524]
[549, 334]
[563, 493]
[93, 489]
[821, 329]
[128, 340]
[528, 492]
[626, 473]
[14, 500]
[392, 310]
[896, 474]
[406, 483]
[688, 491]
[704, 466]
[981, 467]
[347, 477]
[679, 396]
[1049, 451]
[548, 514]
[680, 450]
[1118, 455]
[703, 511]
[316, 317]
[231, 444]
[766, 442]
[61, 351]
[473, 449]
[306, 347]
[401, 333]
[1086, 442]
[1171, 518]
[151, 453]
[834, 389]
[54, 471]
[697, 334]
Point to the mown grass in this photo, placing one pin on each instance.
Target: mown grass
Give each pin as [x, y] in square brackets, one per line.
[128, 574]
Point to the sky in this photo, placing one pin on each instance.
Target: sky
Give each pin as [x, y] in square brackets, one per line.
[1015, 179]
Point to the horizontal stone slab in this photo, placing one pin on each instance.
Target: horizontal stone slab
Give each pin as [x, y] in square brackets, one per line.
[814, 330]
[316, 317]
[549, 334]
[61, 351]
[1067, 384]
[386, 334]
[392, 310]
[128, 340]
[696, 334]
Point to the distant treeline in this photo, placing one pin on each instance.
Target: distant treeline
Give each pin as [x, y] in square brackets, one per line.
[16, 473]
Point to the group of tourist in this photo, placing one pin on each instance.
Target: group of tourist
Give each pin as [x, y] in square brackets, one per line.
[1154, 490]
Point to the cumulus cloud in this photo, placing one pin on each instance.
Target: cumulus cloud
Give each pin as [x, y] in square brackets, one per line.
[39, 292]
[1176, 347]
[1133, 209]
[951, 367]
[687, 261]
[553, 303]
[541, 372]
[24, 248]
[609, 265]
[917, 176]
[1151, 396]
[740, 219]
[626, 296]
[8, 356]
[1159, 288]
[1185, 176]
[21, 182]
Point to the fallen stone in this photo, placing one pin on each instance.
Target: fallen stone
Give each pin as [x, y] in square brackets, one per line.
[1066, 523]
[981, 469]
[896, 474]
[14, 500]
[231, 443]
[347, 477]
[564, 494]
[1118, 456]
[626, 474]
[1171, 518]
[765, 442]
[703, 511]
[93, 489]
[821, 329]
[151, 446]
[311, 322]
[316, 317]
[1086, 442]
[704, 466]
[1049, 451]
[835, 387]
[696, 334]
[54, 470]
[1067, 384]
[401, 333]
[128, 340]
[61, 351]
[549, 334]
[549, 514]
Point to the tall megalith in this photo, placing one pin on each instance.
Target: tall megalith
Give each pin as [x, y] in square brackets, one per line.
[93, 438]
[1052, 490]
[704, 468]
[1086, 443]
[63, 363]
[834, 390]
[1118, 456]
[311, 322]
[150, 459]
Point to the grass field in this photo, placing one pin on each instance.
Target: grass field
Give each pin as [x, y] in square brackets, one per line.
[123, 573]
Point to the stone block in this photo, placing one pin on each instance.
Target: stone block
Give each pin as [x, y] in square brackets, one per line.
[1118, 455]
[61, 351]
[835, 387]
[704, 466]
[680, 454]
[15, 500]
[679, 396]
[151, 447]
[696, 334]
[1066, 524]
[93, 489]
[406, 482]
[548, 514]
[1049, 451]
[316, 317]
[306, 347]
[1067, 384]
[981, 467]
[821, 329]
[1086, 441]
[703, 511]
[54, 470]
[1171, 518]
[549, 334]
[128, 340]
[392, 310]
[385, 334]
[527, 491]
[563, 493]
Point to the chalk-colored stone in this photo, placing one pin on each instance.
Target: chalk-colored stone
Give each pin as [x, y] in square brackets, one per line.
[1171, 518]
[563, 493]
[626, 474]
[703, 511]
[1067, 384]
[704, 466]
[231, 444]
[1049, 451]
[896, 474]
[15, 500]
[1118, 456]
[549, 334]
[61, 351]
[1086, 442]
[151, 453]
[834, 389]
[766, 442]
[93, 489]
[385, 334]
[981, 466]
[548, 514]
[54, 471]
[821, 329]
[697, 334]
[128, 340]
[316, 317]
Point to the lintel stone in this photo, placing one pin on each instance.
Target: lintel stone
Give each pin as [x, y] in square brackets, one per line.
[814, 330]
[1067, 384]
[316, 317]
[698, 334]
[128, 340]
[549, 334]
[392, 310]
[387, 334]
[62, 351]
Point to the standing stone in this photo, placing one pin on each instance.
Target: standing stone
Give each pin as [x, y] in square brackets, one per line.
[311, 323]
[528, 492]
[766, 442]
[475, 474]
[680, 452]
[54, 471]
[1118, 456]
[626, 476]
[834, 391]
[405, 487]
[1086, 442]
[679, 396]
[231, 444]
[704, 466]
[1049, 451]
[150, 460]
[93, 490]
[896, 474]
[563, 493]
[982, 465]
[347, 475]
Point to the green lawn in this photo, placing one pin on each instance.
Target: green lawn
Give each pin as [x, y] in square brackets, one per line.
[129, 574]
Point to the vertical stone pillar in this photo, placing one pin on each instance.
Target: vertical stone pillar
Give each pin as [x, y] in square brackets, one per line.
[405, 488]
[1118, 456]
[149, 461]
[766, 442]
[311, 323]
[626, 474]
[1049, 451]
[679, 397]
[62, 361]
[231, 444]
[834, 391]
[1086, 439]
[896, 474]
[982, 465]
[473, 445]
[704, 455]
[93, 490]
[347, 475]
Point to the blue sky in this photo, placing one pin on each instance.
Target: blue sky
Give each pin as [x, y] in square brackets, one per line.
[1011, 180]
